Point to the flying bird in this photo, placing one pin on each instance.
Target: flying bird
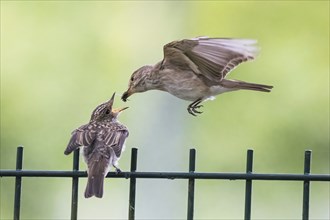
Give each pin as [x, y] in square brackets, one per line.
[196, 69]
[102, 140]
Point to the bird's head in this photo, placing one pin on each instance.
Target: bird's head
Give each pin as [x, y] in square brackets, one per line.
[105, 112]
[138, 82]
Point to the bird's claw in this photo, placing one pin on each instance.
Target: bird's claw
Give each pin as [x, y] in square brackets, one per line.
[118, 171]
[192, 109]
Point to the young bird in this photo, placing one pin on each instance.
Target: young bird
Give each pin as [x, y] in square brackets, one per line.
[102, 139]
[195, 70]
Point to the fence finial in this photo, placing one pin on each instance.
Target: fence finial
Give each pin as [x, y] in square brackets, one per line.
[18, 183]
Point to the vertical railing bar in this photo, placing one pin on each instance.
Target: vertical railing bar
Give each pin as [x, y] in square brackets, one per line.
[248, 185]
[18, 183]
[132, 185]
[306, 191]
[75, 181]
[191, 185]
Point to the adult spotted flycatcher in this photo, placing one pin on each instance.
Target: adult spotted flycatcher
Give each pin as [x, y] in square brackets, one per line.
[196, 69]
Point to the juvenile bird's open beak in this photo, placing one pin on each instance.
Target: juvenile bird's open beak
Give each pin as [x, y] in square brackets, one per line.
[117, 110]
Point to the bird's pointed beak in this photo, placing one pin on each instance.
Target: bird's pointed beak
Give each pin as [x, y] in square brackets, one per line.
[112, 100]
[117, 110]
[126, 95]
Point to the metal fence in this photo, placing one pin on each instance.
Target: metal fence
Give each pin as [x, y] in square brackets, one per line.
[191, 176]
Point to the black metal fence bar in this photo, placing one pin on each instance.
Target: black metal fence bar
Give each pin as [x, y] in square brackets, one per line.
[191, 185]
[307, 170]
[132, 185]
[75, 181]
[248, 186]
[18, 183]
[171, 175]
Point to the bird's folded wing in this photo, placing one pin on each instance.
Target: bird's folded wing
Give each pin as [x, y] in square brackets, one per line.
[82, 136]
[212, 57]
[115, 138]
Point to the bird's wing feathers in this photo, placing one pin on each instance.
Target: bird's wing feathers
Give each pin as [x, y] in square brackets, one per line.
[82, 136]
[174, 54]
[115, 138]
[212, 57]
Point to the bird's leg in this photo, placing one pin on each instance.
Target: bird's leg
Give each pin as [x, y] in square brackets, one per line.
[117, 169]
[192, 108]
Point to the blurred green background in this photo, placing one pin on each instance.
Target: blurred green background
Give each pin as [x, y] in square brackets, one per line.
[60, 59]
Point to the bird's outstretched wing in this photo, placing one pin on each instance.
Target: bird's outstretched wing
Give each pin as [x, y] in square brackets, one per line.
[115, 138]
[212, 57]
[82, 136]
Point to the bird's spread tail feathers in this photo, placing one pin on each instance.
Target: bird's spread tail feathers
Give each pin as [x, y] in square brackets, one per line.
[236, 85]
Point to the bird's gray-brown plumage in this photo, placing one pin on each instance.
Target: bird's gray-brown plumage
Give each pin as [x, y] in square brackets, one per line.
[102, 139]
[196, 70]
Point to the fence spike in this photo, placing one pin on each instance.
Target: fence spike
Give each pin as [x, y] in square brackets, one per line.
[18, 183]
[248, 185]
[75, 181]
[132, 185]
[191, 185]
[307, 170]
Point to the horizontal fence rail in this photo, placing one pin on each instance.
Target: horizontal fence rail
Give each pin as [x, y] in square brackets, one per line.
[171, 175]
[306, 178]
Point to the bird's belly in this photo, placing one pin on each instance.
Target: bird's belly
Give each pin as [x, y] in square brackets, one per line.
[187, 85]
[189, 90]
[193, 90]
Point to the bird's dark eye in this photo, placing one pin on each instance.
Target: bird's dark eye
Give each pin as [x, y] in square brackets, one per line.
[107, 111]
[132, 78]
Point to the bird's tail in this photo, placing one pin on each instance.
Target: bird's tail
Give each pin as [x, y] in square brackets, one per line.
[97, 170]
[236, 85]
